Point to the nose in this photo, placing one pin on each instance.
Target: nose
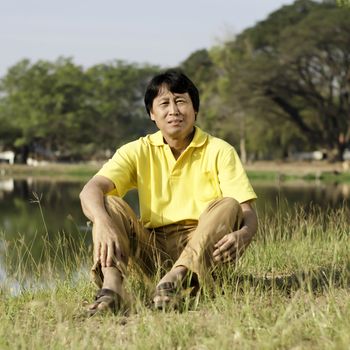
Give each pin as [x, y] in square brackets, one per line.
[173, 109]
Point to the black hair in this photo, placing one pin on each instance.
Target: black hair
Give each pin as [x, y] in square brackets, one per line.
[176, 82]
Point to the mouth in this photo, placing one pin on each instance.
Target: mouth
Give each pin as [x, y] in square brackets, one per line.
[175, 121]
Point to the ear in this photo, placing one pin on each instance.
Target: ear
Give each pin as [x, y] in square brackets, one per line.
[151, 115]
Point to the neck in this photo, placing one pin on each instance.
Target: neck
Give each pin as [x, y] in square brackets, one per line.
[178, 146]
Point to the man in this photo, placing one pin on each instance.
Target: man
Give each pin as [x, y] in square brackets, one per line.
[195, 201]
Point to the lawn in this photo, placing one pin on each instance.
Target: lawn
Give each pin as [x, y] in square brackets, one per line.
[289, 291]
[261, 170]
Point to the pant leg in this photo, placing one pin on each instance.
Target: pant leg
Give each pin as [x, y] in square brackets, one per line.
[171, 241]
[136, 242]
[221, 217]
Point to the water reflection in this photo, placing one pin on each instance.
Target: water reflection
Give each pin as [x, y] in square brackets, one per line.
[32, 207]
[37, 211]
[307, 194]
[28, 205]
[33, 214]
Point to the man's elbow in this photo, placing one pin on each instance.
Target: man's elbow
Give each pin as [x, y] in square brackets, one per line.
[84, 192]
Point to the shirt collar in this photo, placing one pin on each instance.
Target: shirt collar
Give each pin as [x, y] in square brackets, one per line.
[199, 138]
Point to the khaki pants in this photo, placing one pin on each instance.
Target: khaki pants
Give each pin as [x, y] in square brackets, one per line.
[188, 243]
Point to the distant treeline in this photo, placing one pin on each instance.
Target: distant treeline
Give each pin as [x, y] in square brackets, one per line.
[280, 87]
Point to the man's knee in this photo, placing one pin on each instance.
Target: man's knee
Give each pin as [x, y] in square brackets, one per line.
[113, 201]
[224, 213]
[228, 204]
[114, 204]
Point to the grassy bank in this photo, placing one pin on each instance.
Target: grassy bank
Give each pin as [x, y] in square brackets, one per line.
[80, 170]
[308, 171]
[289, 291]
[270, 171]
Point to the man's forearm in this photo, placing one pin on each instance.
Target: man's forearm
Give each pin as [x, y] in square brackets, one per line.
[92, 203]
[92, 198]
[250, 220]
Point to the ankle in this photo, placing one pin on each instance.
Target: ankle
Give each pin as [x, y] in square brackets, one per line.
[112, 279]
[176, 274]
[180, 271]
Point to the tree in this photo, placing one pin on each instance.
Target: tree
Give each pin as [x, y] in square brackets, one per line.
[44, 104]
[202, 70]
[63, 112]
[116, 93]
[295, 65]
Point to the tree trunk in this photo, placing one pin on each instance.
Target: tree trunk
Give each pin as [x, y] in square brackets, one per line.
[22, 155]
[242, 148]
[336, 154]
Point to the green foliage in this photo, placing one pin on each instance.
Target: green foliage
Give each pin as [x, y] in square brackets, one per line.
[288, 77]
[116, 95]
[60, 111]
[202, 70]
[45, 102]
[279, 87]
[343, 3]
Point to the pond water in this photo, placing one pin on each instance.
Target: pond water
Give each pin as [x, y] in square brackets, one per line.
[37, 209]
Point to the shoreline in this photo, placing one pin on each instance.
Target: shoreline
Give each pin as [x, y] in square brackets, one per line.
[261, 170]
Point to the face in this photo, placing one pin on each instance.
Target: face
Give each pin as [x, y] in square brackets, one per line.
[173, 114]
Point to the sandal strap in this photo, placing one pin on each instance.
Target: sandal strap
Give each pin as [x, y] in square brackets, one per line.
[167, 286]
[105, 292]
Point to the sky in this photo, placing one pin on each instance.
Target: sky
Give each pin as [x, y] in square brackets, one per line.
[158, 32]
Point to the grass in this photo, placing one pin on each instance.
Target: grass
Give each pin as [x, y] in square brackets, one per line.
[325, 176]
[268, 171]
[66, 170]
[289, 291]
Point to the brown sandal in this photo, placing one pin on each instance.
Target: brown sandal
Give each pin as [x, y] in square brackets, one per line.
[106, 300]
[167, 296]
[170, 295]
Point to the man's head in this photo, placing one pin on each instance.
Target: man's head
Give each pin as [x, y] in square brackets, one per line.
[175, 82]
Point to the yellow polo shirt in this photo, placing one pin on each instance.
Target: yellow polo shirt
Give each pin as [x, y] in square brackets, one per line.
[173, 190]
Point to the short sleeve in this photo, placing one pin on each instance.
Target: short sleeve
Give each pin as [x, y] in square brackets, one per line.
[121, 169]
[233, 179]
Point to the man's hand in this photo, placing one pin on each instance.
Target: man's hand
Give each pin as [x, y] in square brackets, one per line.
[232, 245]
[106, 244]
